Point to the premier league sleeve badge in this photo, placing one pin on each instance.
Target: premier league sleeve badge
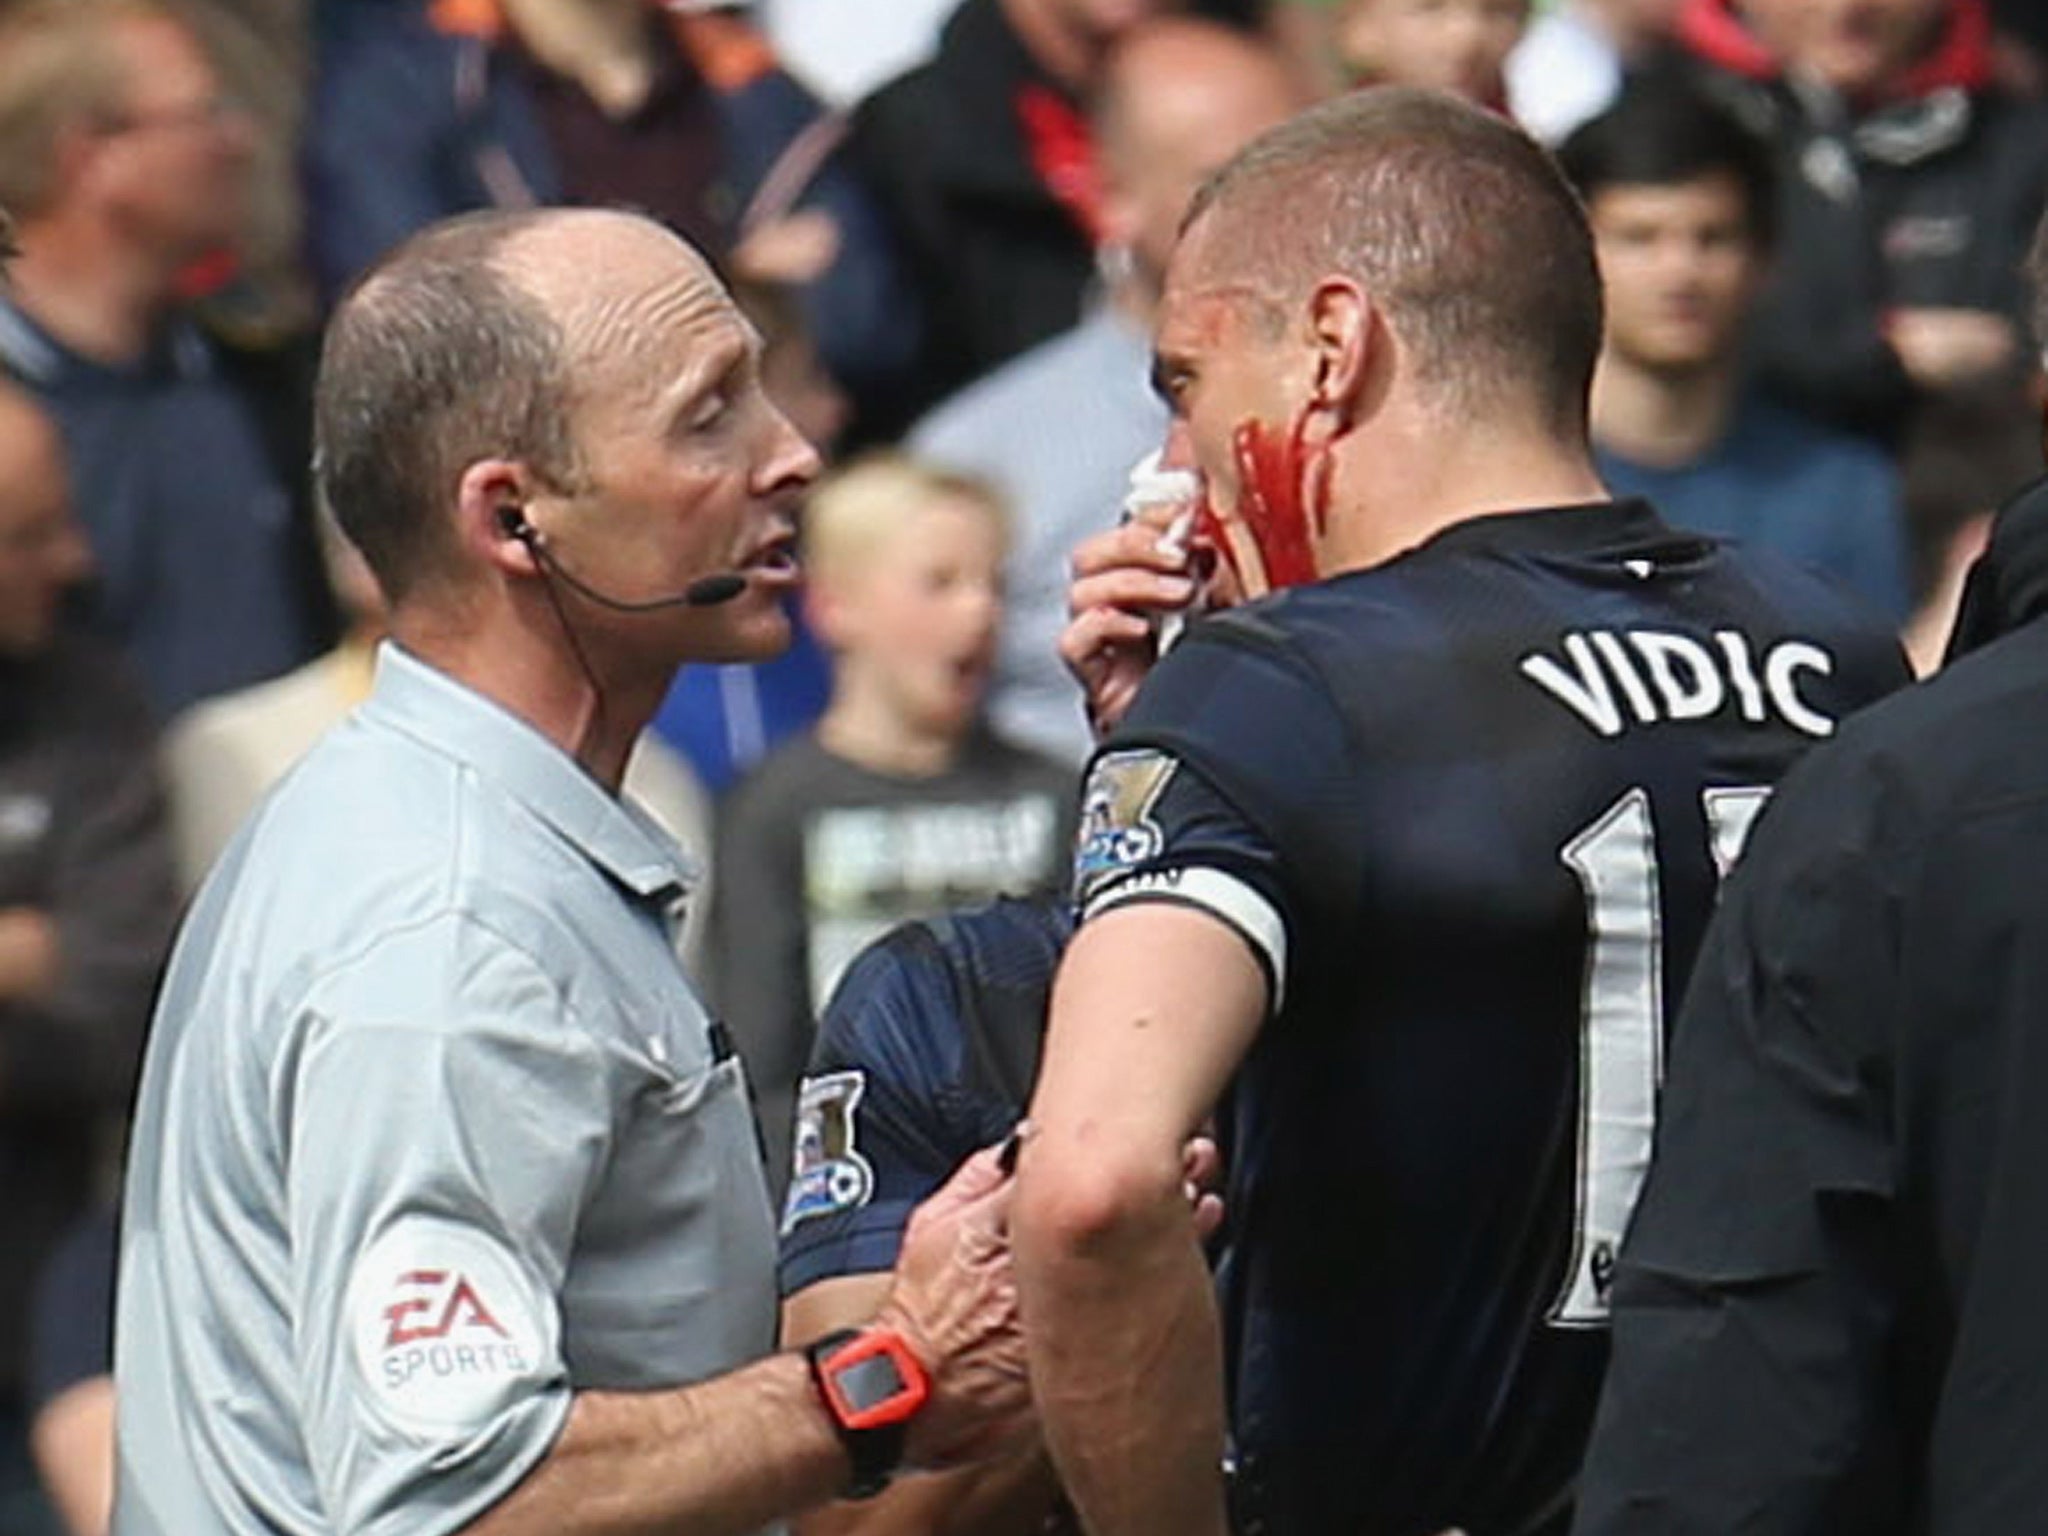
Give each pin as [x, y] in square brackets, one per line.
[828, 1176]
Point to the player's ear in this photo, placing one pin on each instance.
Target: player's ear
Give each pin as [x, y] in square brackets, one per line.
[1342, 330]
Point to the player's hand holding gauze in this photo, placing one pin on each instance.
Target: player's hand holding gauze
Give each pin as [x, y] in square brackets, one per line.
[1123, 579]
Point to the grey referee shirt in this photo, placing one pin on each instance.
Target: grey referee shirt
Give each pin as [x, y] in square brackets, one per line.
[433, 1133]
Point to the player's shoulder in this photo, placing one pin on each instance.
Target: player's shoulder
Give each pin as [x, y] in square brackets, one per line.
[1244, 685]
[1903, 773]
[927, 1050]
[1010, 942]
[909, 1001]
[884, 1008]
[1777, 586]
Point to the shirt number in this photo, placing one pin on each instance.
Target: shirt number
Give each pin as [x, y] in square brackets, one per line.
[1621, 1025]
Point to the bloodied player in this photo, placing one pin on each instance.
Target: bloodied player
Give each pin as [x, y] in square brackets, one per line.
[1403, 867]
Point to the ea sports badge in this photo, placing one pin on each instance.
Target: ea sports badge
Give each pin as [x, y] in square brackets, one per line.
[447, 1326]
[827, 1173]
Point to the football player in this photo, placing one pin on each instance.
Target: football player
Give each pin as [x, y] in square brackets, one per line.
[1403, 866]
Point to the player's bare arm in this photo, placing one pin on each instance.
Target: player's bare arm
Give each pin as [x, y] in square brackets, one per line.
[737, 1453]
[1108, 1251]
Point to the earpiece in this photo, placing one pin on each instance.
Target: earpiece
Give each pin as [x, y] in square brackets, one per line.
[512, 521]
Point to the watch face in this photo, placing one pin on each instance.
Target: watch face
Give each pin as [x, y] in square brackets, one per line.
[869, 1382]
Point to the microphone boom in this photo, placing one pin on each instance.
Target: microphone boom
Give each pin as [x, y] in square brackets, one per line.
[704, 592]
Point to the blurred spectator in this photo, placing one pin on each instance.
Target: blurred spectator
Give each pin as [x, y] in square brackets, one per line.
[124, 166]
[263, 50]
[985, 164]
[423, 108]
[1965, 453]
[72, 1375]
[1460, 46]
[86, 899]
[1909, 184]
[843, 49]
[846, 49]
[1679, 195]
[2022, 41]
[725, 717]
[2008, 586]
[222, 756]
[1569, 66]
[1056, 430]
[901, 804]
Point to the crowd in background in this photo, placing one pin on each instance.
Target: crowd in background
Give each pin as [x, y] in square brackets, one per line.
[949, 221]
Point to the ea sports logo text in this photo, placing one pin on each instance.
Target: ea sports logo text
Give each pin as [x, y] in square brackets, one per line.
[447, 1326]
[444, 1301]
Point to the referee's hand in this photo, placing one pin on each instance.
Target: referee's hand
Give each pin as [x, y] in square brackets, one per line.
[955, 1299]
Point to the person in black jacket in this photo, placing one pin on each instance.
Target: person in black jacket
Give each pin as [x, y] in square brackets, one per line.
[1909, 183]
[984, 163]
[86, 903]
[1827, 1314]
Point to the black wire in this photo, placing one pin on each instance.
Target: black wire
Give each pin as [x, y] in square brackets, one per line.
[547, 585]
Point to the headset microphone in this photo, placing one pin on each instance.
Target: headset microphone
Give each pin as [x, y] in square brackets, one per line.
[710, 591]
[704, 592]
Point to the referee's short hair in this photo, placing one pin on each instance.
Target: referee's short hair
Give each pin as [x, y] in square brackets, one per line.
[437, 358]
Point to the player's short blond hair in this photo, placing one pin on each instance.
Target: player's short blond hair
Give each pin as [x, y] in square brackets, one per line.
[60, 67]
[859, 511]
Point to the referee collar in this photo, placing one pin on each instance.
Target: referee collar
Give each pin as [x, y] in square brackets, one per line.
[485, 739]
[1582, 528]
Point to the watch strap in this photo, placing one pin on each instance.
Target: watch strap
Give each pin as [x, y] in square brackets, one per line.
[874, 1452]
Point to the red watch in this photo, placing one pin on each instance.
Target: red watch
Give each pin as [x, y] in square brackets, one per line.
[872, 1385]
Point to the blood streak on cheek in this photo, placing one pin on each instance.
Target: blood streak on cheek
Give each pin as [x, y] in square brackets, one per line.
[1284, 496]
[1209, 534]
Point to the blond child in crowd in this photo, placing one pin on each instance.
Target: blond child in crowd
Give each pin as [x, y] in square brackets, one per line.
[901, 803]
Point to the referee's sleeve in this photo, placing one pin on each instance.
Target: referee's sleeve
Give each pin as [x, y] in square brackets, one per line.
[1755, 1294]
[447, 1119]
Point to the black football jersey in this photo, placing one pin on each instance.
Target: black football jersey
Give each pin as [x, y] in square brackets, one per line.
[926, 1053]
[1470, 809]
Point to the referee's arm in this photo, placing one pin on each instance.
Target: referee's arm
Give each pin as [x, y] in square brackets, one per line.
[734, 1454]
[726, 1456]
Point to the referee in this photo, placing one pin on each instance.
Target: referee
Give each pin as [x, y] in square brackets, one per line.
[446, 1209]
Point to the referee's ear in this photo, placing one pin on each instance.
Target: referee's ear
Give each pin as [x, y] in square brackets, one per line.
[1353, 353]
